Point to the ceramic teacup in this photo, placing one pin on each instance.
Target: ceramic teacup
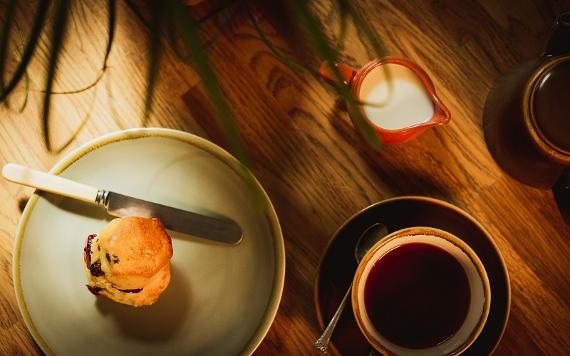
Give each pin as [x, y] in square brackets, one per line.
[421, 291]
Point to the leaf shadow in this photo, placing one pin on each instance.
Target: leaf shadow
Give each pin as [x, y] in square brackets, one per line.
[157, 322]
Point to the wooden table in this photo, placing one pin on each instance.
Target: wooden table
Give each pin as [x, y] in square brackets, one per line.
[307, 154]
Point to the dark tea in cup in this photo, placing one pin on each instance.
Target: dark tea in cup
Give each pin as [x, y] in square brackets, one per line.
[421, 291]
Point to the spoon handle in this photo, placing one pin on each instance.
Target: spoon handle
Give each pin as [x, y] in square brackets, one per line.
[322, 343]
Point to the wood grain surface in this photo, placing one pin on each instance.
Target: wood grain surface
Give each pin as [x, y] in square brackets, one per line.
[307, 154]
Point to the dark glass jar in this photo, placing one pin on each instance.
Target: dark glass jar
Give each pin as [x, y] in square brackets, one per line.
[527, 114]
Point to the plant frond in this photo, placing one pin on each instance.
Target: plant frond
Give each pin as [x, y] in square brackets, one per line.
[291, 63]
[219, 14]
[186, 26]
[343, 15]
[361, 23]
[329, 54]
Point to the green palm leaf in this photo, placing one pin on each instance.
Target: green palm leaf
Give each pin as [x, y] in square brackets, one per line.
[319, 41]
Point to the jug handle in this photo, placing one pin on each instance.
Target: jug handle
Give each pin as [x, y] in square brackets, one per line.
[559, 39]
[327, 73]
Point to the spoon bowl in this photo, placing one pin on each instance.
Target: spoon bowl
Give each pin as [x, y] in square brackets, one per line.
[369, 238]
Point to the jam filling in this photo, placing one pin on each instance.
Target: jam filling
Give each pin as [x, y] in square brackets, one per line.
[87, 249]
[138, 290]
[95, 269]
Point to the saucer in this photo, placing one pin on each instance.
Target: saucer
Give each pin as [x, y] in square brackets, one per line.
[338, 265]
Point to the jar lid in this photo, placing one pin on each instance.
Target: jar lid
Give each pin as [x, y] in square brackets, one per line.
[550, 106]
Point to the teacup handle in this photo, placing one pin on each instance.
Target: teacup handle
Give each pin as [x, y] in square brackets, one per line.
[327, 73]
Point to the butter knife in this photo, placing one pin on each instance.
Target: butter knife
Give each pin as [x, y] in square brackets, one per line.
[220, 229]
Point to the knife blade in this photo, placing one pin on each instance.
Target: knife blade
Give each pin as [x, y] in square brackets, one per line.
[219, 229]
[215, 228]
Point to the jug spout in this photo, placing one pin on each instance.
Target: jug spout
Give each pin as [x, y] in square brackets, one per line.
[441, 114]
[559, 39]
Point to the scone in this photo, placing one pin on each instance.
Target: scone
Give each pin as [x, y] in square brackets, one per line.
[129, 262]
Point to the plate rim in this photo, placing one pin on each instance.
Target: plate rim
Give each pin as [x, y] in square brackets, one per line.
[446, 204]
[136, 133]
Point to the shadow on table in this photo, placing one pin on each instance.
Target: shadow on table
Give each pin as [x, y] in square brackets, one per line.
[22, 202]
[392, 164]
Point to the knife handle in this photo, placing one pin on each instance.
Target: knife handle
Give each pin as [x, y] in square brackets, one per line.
[49, 182]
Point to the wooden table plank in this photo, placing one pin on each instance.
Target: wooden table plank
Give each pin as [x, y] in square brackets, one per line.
[307, 154]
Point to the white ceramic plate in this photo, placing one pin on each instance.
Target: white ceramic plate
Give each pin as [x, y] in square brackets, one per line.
[221, 299]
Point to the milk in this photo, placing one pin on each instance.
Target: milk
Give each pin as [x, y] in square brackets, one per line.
[405, 104]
